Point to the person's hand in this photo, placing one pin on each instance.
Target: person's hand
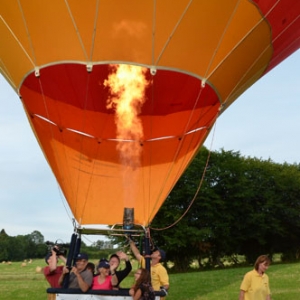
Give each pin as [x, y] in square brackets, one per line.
[131, 292]
[113, 267]
[129, 239]
[122, 255]
[75, 271]
[65, 270]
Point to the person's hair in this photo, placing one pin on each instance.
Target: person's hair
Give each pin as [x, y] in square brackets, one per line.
[114, 255]
[144, 278]
[91, 267]
[262, 259]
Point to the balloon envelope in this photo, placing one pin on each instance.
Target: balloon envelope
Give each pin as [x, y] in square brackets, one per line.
[198, 57]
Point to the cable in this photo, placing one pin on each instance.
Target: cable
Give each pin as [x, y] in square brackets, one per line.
[198, 189]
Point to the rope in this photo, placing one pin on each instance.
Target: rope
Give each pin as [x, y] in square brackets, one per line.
[198, 189]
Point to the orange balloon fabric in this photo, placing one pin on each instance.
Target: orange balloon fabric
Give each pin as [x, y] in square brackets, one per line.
[198, 57]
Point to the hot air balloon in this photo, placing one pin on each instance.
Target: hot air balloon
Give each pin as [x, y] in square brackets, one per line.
[177, 65]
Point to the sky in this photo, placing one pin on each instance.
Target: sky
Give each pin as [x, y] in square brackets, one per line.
[264, 122]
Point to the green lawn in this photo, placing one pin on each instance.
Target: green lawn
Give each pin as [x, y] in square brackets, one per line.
[224, 284]
[18, 282]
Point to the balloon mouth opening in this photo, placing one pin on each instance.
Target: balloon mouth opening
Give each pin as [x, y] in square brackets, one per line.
[128, 219]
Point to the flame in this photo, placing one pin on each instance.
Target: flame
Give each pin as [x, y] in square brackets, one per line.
[127, 85]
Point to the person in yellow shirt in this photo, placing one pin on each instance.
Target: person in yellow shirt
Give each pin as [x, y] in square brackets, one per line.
[159, 274]
[255, 285]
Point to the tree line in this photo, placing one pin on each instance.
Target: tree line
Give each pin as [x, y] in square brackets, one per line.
[33, 245]
[18, 248]
[245, 206]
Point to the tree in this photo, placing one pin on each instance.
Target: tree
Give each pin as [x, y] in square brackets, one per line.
[36, 237]
[245, 206]
[4, 241]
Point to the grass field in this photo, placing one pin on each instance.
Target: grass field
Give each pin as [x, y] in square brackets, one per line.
[18, 282]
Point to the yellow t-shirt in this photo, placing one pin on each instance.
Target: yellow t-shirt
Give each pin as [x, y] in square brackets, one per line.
[159, 275]
[256, 287]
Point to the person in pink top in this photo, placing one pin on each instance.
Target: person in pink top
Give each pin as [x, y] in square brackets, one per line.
[104, 281]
